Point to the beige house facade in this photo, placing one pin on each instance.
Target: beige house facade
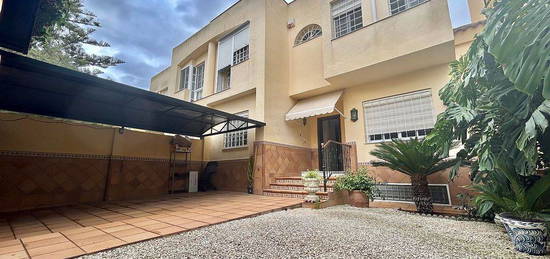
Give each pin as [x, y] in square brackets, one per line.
[358, 72]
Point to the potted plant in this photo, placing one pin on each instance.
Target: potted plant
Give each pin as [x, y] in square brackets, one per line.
[250, 175]
[360, 186]
[311, 180]
[525, 206]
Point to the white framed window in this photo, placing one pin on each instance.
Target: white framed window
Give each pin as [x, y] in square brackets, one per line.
[308, 33]
[402, 116]
[402, 192]
[397, 6]
[232, 50]
[347, 17]
[197, 82]
[236, 139]
[185, 78]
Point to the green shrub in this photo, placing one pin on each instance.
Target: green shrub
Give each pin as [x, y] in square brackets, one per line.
[359, 180]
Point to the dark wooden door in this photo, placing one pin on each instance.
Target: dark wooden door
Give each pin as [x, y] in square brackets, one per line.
[328, 128]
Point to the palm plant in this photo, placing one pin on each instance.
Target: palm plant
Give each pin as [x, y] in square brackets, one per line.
[416, 159]
[506, 191]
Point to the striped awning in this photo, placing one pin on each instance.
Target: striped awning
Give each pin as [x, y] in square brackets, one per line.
[317, 105]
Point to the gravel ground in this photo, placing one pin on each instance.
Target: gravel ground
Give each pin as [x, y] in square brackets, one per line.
[337, 232]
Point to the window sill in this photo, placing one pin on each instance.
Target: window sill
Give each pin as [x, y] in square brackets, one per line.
[390, 140]
[204, 97]
[229, 149]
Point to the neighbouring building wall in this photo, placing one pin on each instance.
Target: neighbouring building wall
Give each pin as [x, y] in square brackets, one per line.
[46, 162]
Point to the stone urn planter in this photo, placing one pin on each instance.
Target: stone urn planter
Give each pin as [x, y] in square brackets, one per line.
[311, 186]
[528, 236]
[358, 199]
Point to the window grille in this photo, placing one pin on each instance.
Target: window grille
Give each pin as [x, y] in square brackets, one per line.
[240, 55]
[236, 139]
[184, 78]
[347, 17]
[403, 193]
[399, 117]
[397, 6]
[308, 33]
[198, 82]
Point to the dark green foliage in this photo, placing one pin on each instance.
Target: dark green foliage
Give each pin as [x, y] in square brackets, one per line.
[62, 28]
[494, 110]
[411, 157]
[506, 191]
[499, 109]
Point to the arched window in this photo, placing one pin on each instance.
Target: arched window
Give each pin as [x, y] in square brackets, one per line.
[308, 33]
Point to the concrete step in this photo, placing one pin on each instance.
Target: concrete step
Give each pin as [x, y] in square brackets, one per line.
[292, 194]
[298, 180]
[296, 187]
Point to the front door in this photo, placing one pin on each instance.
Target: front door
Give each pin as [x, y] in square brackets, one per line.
[330, 157]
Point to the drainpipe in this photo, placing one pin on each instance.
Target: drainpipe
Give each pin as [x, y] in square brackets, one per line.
[373, 10]
[109, 166]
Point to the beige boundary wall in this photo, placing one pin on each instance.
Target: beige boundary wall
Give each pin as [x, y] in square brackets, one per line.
[46, 162]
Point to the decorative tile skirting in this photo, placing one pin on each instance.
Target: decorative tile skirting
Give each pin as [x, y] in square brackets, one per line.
[83, 156]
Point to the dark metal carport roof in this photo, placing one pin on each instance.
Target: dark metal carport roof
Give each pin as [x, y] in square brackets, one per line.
[31, 86]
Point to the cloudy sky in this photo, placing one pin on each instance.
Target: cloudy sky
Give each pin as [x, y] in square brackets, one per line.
[143, 32]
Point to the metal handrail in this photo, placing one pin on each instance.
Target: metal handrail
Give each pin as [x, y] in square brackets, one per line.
[345, 150]
[323, 145]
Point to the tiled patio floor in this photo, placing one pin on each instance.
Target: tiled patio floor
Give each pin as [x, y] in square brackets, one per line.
[81, 229]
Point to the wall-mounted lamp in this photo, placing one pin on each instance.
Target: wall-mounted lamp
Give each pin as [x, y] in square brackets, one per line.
[354, 115]
[121, 130]
[304, 121]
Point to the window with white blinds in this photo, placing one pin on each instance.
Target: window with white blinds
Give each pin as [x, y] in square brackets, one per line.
[236, 139]
[233, 49]
[399, 117]
[225, 52]
[347, 17]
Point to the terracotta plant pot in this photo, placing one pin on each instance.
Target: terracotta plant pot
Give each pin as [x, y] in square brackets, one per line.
[358, 199]
[528, 236]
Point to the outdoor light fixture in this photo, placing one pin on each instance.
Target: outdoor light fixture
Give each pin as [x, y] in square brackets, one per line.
[121, 130]
[304, 120]
[354, 115]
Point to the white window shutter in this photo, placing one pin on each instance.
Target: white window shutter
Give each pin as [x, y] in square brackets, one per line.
[225, 52]
[341, 6]
[242, 38]
[401, 113]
